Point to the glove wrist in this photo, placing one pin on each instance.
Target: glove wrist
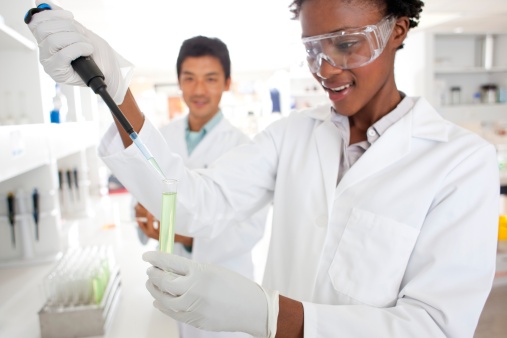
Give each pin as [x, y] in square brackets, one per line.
[272, 298]
[119, 82]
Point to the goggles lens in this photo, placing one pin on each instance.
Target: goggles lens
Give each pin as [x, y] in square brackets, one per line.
[347, 49]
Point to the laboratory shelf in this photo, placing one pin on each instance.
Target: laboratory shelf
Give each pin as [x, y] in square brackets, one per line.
[469, 70]
[320, 94]
[33, 152]
[26, 147]
[22, 148]
[12, 40]
[475, 112]
[68, 138]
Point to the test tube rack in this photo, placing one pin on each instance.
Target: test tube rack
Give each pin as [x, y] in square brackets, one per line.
[84, 320]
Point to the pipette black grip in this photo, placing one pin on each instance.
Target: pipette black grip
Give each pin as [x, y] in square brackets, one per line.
[88, 70]
[92, 76]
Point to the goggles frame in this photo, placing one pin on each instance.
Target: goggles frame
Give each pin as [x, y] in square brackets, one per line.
[376, 35]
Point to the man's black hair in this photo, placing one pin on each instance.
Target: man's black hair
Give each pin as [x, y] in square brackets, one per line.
[204, 46]
[397, 8]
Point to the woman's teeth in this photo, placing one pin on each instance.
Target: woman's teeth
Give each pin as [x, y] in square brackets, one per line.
[339, 89]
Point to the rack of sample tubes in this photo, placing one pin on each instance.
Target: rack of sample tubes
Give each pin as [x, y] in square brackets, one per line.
[82, 291]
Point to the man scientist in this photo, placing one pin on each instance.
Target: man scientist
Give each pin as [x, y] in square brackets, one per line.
[203, 68]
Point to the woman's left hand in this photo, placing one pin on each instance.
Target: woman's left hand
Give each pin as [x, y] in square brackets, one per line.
[210, 297]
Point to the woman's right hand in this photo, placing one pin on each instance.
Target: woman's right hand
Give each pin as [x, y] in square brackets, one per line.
[61, 40]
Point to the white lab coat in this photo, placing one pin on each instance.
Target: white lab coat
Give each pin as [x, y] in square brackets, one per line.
[404, 246]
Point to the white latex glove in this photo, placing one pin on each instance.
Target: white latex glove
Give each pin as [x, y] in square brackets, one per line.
[62, 39]
[210, 297]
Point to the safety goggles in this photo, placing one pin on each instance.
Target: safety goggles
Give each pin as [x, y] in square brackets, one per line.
[349, 48]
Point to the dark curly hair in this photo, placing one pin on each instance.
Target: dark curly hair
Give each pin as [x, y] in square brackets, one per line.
[397, 8]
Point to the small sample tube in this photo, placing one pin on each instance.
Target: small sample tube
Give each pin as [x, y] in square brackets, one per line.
[167, 217]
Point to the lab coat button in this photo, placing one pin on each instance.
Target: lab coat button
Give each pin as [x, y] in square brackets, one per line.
[371, 132]
[321, 221]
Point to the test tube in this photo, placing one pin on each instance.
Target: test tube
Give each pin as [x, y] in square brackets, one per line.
[80, 278]
[166, 236]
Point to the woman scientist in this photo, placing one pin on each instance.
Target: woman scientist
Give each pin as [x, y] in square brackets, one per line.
[385, 214]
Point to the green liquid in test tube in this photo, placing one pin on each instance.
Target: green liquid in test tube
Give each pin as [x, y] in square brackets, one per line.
[167, 217]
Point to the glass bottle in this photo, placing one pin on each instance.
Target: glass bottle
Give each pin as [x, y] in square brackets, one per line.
[59, 112]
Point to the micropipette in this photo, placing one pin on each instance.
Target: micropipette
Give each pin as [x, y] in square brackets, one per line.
[35, 200]
[76, 183]
[92, 76]
[12, 218]
[69, 183]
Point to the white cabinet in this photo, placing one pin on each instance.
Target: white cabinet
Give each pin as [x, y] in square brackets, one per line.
[470, 73]
[34, 151]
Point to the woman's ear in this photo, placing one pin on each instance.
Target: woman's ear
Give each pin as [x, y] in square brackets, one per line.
[400, 31]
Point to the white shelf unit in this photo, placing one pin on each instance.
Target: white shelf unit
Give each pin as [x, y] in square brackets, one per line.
[433, 62]
[33, 151]
[12, 40]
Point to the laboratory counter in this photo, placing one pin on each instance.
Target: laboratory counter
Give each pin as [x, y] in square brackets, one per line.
[21, 286]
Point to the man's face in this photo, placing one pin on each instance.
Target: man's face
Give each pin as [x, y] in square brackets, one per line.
[202, 82]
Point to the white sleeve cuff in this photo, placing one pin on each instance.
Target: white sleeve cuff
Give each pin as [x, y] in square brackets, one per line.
[310, 318]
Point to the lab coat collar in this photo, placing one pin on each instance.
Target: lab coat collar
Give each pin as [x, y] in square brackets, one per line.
[329, 143]
[321, 112]
[427, 123]
[393, 145]
[423, 121]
